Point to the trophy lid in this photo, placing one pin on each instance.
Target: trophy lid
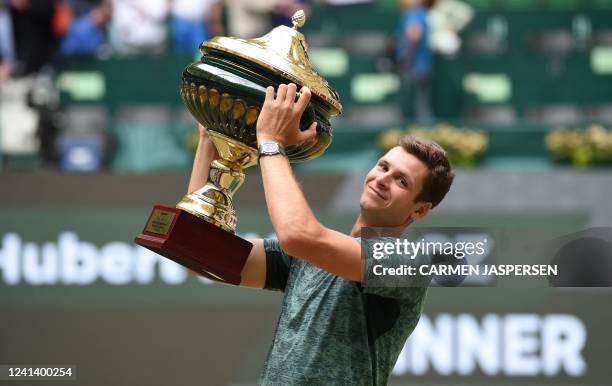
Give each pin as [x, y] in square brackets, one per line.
[282, 50]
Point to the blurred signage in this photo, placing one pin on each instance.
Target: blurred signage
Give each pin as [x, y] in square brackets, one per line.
[510, 345]
[72, 261]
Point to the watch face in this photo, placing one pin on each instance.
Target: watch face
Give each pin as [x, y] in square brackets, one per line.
[269, 147]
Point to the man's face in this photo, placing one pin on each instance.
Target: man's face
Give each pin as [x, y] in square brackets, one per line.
[390, 189]
[409, 3]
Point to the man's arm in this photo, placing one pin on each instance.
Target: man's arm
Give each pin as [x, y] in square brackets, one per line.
[205, 154]
[413, 33]
[254, 270]
[297, 229]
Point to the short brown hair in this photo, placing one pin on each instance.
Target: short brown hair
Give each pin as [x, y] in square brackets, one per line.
[440, 177]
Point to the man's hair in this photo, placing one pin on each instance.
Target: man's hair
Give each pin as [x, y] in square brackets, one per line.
[440, 177]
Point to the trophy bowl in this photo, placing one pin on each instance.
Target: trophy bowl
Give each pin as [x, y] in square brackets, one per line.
[225, 92]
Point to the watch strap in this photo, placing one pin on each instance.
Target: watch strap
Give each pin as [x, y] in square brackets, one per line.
[261, 151]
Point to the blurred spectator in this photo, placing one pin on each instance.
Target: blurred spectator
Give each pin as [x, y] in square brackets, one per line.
[86, 29]
[249, 19]
[192, 22]
[138, 26]
[28, 45]
[7, 48]
[284, 10]
[414, 58]
[43, 98]
[35, 42]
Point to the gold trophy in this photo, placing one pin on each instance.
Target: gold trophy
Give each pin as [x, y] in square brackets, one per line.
[225, 91]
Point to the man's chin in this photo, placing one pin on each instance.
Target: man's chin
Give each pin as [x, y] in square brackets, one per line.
[374, 216]
[369, 208]
[375, 206]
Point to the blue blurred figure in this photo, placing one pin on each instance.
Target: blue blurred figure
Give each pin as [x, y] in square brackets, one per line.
[414, 58]
[86, 31]
[192, 22]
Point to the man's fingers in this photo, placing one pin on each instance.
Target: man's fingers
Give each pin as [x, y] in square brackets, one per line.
[290, 97]
[308, 135]
[281, 93]
[269, 94]
[304, 99]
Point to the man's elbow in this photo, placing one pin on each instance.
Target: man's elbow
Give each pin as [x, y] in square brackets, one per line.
[297, 240]
[292, 244]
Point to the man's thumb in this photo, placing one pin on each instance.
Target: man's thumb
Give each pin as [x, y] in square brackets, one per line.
[310, 134]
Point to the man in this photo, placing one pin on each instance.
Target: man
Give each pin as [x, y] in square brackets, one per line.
[414, 58]
[86, 32]
[138, 26]
[332, 330]
[192, 22]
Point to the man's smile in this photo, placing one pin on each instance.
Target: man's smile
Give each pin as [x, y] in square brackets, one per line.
[377, 193]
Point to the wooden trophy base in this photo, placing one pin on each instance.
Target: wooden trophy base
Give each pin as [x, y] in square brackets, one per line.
[195, 244]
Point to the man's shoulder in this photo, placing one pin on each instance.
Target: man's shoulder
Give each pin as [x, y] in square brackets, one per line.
[415, 13]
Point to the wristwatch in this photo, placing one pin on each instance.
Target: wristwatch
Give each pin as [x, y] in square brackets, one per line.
[269, 148]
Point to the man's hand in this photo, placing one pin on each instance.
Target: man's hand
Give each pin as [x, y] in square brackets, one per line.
[205, 154]
[206, 142]
[203, 131]
[279, 119]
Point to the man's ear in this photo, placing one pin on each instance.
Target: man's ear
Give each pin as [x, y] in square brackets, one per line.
[420, 212]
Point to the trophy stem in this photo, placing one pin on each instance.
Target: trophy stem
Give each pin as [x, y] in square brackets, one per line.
[226, 175]
[213, 202]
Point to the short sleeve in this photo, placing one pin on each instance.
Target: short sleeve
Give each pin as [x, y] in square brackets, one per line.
[398, 286]
[278, 265]
[416, 16]
[413, 293]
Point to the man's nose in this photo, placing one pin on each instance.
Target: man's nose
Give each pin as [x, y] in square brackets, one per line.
[383, 180]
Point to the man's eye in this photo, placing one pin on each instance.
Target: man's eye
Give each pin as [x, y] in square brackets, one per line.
[383, 167]
[403, 182]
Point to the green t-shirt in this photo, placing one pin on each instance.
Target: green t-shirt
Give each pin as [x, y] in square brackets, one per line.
[332, 331]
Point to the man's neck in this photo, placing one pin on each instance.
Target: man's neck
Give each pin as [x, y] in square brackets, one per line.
[363, 223]
[360, 223]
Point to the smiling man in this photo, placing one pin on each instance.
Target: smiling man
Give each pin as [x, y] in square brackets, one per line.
[332, 330]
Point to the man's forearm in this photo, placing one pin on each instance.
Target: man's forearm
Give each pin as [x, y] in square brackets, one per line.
[299, 232]
[289, 211]
[278, 122]
[205, 154]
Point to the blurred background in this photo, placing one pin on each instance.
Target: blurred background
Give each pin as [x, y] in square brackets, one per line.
[93, 134]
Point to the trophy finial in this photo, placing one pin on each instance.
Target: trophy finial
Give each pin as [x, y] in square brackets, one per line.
[283, 52]
[298, 19]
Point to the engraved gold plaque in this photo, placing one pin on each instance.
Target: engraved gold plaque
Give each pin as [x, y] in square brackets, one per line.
[160, 222]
